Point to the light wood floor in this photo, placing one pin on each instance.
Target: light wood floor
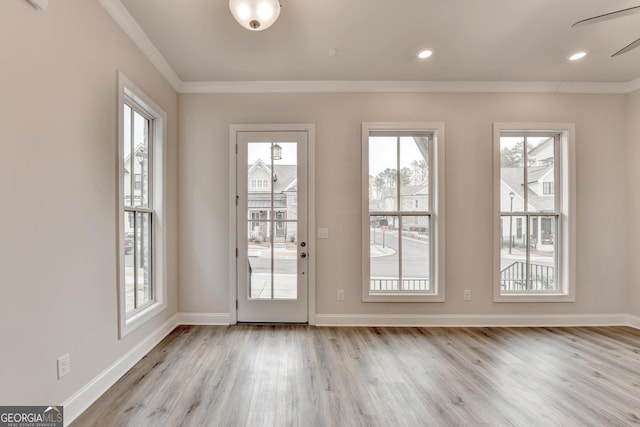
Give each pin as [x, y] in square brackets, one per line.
[306, 376]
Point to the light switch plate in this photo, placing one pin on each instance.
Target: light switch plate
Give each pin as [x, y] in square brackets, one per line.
[323, 233]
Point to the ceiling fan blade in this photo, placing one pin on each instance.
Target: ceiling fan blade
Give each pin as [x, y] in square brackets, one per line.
[627, 48]
[607, 16]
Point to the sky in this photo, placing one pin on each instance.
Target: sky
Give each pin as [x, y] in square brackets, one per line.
[383, 153]
[262, 150]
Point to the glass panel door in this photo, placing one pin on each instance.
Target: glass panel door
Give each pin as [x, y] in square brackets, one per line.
[272, 252]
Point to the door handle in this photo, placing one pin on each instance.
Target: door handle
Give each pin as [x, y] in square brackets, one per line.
[303, 254]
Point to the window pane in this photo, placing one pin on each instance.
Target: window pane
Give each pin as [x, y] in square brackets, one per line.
[513, 253]
[259, 260]
[415, 254]
[414, 173]
[141, 161]
[511, 174]
[384, 261]
[541, 174]
[126, 153]
[285, 179]
[143, 258]
[259, 178]
[542, 271]
[129, 269]
[285, 261]
[383, 173]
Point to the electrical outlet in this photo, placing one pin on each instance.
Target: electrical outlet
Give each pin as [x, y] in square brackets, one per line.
[340, 296]
[64, 365]
[467, 295]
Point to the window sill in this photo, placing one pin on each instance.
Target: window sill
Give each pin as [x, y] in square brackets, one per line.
[402, 298]
[131, 323]
[534, 298]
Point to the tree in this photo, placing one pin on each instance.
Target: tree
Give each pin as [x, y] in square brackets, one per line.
[512, 157]
[419, 171]
[389, 177]
[406, 176]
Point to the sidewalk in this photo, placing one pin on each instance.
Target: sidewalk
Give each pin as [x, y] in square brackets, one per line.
[378, 251]
[257, 251]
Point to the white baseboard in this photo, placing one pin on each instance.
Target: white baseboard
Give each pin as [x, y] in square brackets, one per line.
[204, 318]
[633, 321]
[82, 399]
[472, 320]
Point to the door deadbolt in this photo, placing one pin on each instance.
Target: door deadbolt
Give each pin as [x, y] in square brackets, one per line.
[303, 254]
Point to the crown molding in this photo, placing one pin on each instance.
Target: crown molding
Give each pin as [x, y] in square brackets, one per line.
[344, 86]
[130, 26]
[633, 85]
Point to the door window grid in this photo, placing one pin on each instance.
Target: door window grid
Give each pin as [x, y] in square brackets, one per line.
[272, 270]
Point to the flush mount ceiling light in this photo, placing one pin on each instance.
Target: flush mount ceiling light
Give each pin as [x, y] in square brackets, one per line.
[424, 53]
[255, 15]
[577, 56]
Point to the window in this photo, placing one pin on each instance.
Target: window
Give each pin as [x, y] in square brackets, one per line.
[534, 190]
[254, 225]
[403, 212]
[141, 151]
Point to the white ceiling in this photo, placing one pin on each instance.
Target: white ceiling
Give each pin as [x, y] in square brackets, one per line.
[376, 40]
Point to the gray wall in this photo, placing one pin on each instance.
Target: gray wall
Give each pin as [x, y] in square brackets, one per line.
[58, 294]
[203, 169]
[633, 166]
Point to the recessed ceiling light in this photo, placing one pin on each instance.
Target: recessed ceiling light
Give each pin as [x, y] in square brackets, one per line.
[578, 55]
[425, 53]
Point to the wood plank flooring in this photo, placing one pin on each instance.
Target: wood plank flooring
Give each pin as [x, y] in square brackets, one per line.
[306, 376]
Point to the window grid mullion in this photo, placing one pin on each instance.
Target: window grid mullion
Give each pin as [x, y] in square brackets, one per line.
[131, 160]
[271, 224]
[399, 209]
[135, 260]
[525, 209]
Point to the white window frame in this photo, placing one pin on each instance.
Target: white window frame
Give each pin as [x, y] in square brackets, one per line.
[565, 187]
[437, 243]
[128, 323]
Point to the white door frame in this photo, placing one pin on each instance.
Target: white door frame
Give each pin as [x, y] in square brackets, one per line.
[310, 128]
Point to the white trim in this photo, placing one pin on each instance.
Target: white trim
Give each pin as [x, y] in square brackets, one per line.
[437, 189]
[566, 192]
[126, 88]
[310, 128]
[221, 319]
[359, 86]
[633, 85]
[633, 321]
[471, 320]
[87, 395]
[130, 26]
